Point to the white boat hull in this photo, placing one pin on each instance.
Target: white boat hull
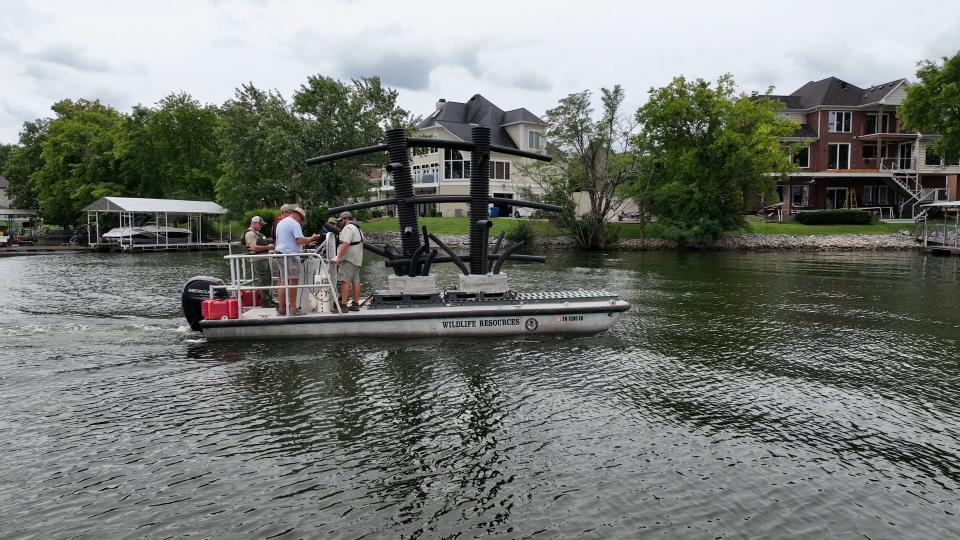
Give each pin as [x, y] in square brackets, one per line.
[434, 321]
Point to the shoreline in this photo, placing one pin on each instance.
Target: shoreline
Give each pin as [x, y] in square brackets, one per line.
[734, 242]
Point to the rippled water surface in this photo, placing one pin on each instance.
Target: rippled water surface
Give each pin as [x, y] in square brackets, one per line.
[744, 395]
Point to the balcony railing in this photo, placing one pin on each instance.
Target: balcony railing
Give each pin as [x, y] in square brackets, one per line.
[894, 164]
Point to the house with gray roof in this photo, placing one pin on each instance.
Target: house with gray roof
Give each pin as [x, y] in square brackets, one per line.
[856, 153]
[447, 172]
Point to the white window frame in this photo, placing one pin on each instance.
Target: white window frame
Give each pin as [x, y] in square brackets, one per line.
[832, 122]
[531, 135]
[838, 145]
[505, 169]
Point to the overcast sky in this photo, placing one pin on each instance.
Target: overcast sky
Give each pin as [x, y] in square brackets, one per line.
[517, 53]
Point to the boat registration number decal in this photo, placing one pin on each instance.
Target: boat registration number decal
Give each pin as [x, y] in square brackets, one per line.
[568, 318]
[481, 323]
[531, 324]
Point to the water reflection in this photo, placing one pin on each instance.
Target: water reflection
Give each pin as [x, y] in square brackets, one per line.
[768, 395]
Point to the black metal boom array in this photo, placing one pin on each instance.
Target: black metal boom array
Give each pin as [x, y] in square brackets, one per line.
[417, 257]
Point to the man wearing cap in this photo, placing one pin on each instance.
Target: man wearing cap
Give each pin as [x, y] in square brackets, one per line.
[284, 212]
[256, 242]
[348, 260]
[290, 241]
[329, 226]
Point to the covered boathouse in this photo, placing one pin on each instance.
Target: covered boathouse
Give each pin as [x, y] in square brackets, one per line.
[155, 224]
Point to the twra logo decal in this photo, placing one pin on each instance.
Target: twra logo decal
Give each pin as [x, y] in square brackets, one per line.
[531, 324]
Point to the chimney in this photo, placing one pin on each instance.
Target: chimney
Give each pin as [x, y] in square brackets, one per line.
[440, 103]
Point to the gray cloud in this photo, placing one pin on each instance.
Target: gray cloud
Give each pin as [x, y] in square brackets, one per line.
[410, 71]
[409, 67]
[524, 80]
[69, 56]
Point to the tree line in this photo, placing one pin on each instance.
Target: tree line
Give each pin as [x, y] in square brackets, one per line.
[245, 153]
[696, 155]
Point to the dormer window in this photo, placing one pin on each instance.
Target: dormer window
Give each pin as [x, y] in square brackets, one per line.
[533, 140]
[839, 121]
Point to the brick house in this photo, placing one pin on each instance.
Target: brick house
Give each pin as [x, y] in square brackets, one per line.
[856, 153]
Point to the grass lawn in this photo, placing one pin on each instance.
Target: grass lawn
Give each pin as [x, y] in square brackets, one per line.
[630, 231]
[460, 226]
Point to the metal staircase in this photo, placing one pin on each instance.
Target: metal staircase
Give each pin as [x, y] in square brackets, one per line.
[909, 181]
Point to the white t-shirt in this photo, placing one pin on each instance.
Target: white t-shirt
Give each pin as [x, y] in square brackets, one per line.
[351, 233]
[288, 230]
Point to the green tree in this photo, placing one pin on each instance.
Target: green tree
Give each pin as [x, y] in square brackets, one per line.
[933, 104]
[81, 158]
[705, 152]
[265, 139]
[173, 149]
[23, 161]
[338, 116]
[5, 151]
[591, 158]
[260, 149]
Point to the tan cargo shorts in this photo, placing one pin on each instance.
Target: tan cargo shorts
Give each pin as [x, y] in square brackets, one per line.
[348, 272]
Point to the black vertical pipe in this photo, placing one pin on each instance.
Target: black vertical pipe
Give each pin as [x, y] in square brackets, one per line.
[403, 187]
[479, 192]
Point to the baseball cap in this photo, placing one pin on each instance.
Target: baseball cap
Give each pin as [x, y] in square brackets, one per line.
[346, 215]
[256, 219]
[301, 211]
[286, 208]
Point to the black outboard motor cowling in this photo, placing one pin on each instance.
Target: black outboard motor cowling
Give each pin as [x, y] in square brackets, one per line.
[194, 293]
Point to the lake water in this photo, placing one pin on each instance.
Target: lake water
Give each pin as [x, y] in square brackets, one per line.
[743, 396]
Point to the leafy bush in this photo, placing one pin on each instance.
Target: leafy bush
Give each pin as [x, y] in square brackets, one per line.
[524, 231]
[268, 215]
[835, 217]
[361, 215]
[702, 231]
[591, 234]
[376, 213]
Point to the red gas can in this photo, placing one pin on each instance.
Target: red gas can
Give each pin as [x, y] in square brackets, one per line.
[218, 310]
[233, 308]
[205, 308]
[250, 298]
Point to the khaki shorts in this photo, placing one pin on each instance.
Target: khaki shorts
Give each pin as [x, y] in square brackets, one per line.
[348, 272]
[293, 268]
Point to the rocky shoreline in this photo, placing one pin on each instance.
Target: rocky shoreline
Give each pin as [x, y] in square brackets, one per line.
[735, 242]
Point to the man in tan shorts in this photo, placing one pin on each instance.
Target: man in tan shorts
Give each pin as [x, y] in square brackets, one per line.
[349, 259]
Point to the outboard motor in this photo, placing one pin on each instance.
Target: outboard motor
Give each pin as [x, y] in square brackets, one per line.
[194, 293]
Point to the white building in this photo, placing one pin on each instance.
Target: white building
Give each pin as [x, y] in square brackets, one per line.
[447, 172]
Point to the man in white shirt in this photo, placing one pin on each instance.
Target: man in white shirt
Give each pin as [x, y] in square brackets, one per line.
[290, 241]
[348, 260]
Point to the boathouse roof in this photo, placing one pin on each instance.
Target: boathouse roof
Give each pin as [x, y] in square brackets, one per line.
[155, 206]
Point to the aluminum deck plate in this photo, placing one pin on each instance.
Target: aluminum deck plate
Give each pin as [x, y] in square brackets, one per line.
[562, 295]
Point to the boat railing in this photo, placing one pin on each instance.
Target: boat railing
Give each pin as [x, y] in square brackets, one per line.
[243, 273]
